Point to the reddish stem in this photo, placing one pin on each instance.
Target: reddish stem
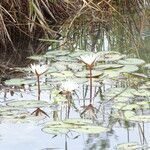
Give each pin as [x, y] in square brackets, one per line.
[90, 84]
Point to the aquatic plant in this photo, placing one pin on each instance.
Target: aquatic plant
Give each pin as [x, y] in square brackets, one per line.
[39, 70]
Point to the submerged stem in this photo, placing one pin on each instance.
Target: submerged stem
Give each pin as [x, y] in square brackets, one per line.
[90, 84]
[39, 91]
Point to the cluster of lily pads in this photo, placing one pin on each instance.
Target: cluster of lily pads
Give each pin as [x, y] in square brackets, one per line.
[117, 79]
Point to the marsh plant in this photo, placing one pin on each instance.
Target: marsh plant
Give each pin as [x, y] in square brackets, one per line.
[89, 60]
[39, 70]
[67, 89]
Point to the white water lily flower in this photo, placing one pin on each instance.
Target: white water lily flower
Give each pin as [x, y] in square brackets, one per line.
[38, 69]
[69, 86]
[89, 59]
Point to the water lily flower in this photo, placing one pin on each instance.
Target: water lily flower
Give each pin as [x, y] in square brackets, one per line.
[89, 59]
[69, 86]
[38, 69]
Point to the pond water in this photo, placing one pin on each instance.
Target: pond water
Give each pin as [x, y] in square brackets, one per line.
[106, 109]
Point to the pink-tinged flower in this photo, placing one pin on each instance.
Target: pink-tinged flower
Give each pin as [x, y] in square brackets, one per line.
[38, 69]
[89, 59]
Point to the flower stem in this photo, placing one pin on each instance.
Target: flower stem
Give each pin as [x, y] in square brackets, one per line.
[39, 91]
[90, 84]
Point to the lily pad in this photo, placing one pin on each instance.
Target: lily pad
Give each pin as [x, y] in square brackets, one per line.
[27, 104]
[86, 74]
[131, 61]
[91, 129]
[129, 146]
[61, 127]
[22, 118]
[19, 82]
[140, 118]
[129, 69]
[108, 66]
[57, 53]
[141, 92]
[36, 57]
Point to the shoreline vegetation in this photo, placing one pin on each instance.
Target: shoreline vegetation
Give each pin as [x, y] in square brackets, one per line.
[30, 27]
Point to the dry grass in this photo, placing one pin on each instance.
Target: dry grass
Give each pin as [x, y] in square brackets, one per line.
[80, 24]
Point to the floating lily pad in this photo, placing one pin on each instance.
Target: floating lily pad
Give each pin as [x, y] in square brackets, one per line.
[61, 127]
[141, 92]
[129, 146]
[28, 104]
[22, 118]
[129, 69]
[91, 129]
[19, 82]
[62, 74]
[78, 53]
[77, 121]
[66, 59]
[140, 118]
[123, 106]
[107, 66]
[86, 74]
[7, 108]
[36, 57]
[57, 53]
[42, 87]
[131, 61]
[113, 56]
[120, 92]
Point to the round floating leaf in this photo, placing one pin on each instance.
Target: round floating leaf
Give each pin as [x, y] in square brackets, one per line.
[24, 117]
[62, 74]
[91, 129]
[123, 106]
[129, 146]
[28, 104]
[7, 108]
[112, 73]
[65, 59]
[146, 85]
[129, 69]
[36, 57]
[107, 66]
[19, 82]
[77, 54]
[77, 121]
[131, 61]
[15, 81]
[141, 92]
[121, 92]
[57, 53]
[86, 74]
[113, 57]
[140, 118]
[42, 87]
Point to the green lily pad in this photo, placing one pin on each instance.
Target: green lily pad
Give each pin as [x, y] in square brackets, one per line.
[73, 126]
[108, 66]
[77, 121]
[19, 82]
[140, 118]
[123, 106]
[65, 59]
[22, 118]
[113, 56]
[131, 61]
[36, 57]
[86, 74]
[57, 53]
[129, 69]
[129, 146]
[91, 129]
[141, 92]
[120, 92]
[27, 104]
